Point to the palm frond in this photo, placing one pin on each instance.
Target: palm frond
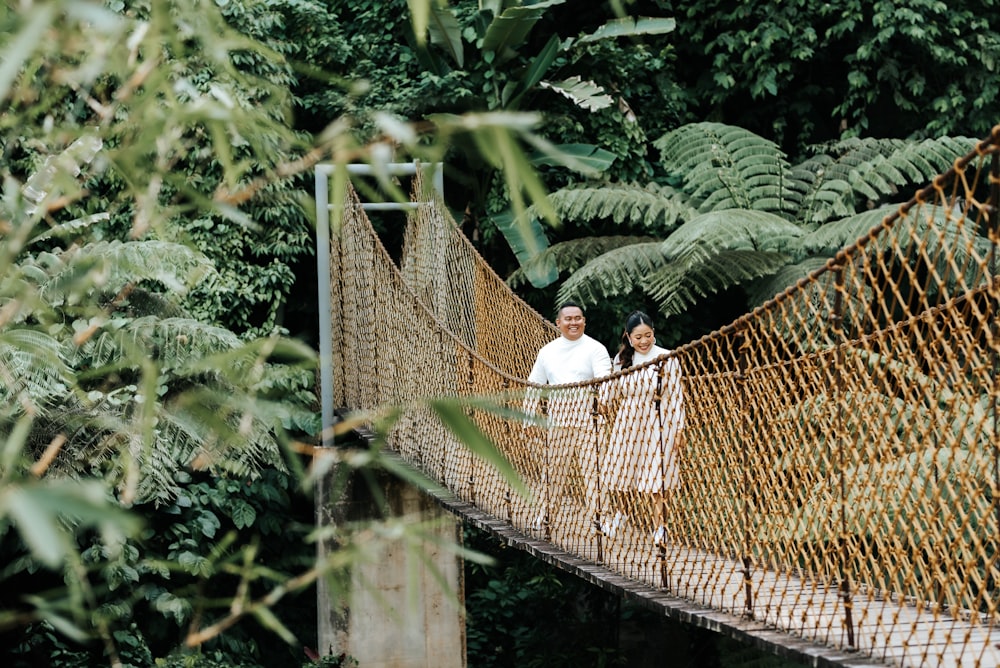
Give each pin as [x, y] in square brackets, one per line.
[678, 285]
[613, 273]
[726, 167]
[568, 256]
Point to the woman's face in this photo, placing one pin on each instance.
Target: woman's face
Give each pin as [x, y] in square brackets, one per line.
[641, 338]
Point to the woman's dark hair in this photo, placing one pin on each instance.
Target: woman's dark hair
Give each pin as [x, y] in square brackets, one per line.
[627, 353]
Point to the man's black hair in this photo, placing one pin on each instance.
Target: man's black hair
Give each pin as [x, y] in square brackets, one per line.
[564, 305]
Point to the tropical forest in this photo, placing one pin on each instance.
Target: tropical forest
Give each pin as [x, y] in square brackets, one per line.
[159, 309]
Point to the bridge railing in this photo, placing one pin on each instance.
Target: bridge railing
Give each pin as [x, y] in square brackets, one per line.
[828, 464]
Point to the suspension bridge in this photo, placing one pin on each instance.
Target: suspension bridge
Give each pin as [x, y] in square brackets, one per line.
[821, 477]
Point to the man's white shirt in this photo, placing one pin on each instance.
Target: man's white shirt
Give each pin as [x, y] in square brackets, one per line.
[564, 361]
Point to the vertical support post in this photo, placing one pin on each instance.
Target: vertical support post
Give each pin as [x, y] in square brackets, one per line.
[993, 214]
[470, 385]
[594, 413]
[547, 486]
[662, 509]
[745, 463]
[837, 322]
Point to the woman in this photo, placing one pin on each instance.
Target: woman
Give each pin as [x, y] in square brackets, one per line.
[641, 467]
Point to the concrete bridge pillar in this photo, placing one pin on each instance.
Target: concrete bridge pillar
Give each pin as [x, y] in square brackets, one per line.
[397, 615]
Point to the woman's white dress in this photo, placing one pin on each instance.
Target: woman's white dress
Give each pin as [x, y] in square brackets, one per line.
[642, 444]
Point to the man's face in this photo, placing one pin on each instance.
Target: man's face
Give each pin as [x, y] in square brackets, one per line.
[571, 322]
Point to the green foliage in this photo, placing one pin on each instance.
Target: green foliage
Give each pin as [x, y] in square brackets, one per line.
[571, 255]
[738, 213]
[653, 207]
[110, 391]
[521, 612]
[803, 72]
[182, 190]
[190, 551]
[495, 57]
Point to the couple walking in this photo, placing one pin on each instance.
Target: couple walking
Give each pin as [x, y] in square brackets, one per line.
[643, 412]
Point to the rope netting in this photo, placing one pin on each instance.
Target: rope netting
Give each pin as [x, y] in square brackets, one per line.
[442, 267]
[828, 465]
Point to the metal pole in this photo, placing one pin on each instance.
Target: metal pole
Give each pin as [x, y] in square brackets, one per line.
[325, 316]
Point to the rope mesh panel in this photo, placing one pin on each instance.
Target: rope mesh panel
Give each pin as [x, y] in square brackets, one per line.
[441, 266]
[828, 465]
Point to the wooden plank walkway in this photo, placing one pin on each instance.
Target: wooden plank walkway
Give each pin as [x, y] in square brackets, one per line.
[799, 619]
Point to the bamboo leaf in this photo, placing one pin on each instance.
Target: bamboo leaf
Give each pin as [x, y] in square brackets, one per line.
[22, 46]
[419, 17]
[452, 414]
[270, 621]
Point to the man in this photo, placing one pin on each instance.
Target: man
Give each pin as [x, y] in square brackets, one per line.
[572, 358]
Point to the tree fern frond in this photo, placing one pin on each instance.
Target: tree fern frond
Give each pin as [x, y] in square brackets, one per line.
[111, 265]
[706, 236]
[823, 196]
[766, 288]
[245, 365]
[911, 162]
[568, 256]
[613, 273]
[236, 431]
[831, 237]
[202, 428]
[857, 170]
[171, 341]
[33, 370]
[947, 244]
[654, 207]
[952, 247]
[143, 302]
[805, 325]
[70, 228]
[678, 285]
[724, 167]
[59, 173]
